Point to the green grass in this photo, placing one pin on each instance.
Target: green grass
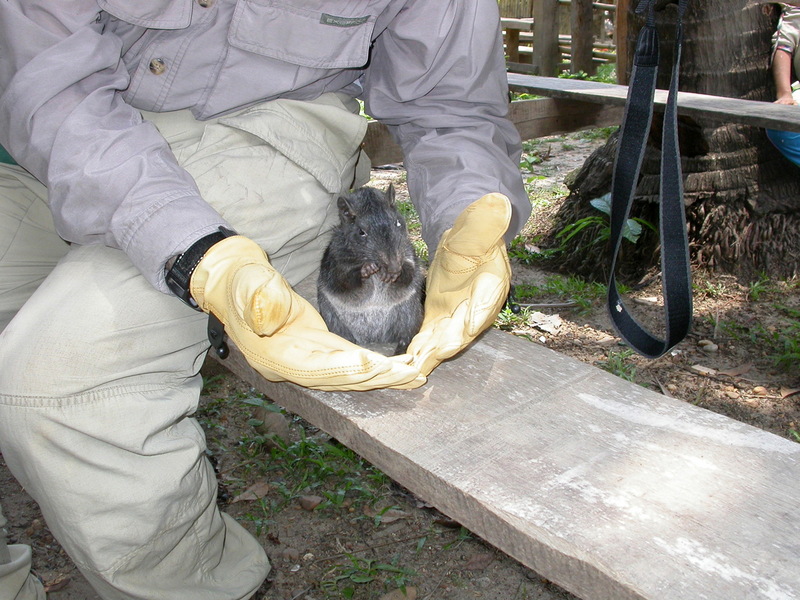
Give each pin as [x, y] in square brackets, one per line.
[343, 579]
[565, 288]
[779, 343]
[618, 363]
[293, 468]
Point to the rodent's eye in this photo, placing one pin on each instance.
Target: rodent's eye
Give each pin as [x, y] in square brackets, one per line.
[362, 233]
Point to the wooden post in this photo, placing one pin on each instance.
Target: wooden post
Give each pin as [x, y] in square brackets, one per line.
[621, 40]
[582, 36]
[546, 55]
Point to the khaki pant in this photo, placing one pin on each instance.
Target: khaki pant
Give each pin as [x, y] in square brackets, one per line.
[99, 374]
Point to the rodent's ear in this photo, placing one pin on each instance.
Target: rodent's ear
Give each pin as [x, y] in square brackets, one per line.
[346, 211]
[390, 193]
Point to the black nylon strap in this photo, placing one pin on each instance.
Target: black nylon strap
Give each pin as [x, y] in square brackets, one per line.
[675, 270]
[180, 274]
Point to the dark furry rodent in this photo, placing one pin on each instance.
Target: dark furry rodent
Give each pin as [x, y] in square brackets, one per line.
[370, 282]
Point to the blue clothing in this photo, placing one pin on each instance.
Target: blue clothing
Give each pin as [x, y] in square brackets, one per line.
[788, 142]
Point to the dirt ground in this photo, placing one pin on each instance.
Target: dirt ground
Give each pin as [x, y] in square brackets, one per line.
[354, 548]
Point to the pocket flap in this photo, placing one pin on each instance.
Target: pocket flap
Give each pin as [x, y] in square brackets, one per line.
[155, 14]
[321, 137]
[309, 38]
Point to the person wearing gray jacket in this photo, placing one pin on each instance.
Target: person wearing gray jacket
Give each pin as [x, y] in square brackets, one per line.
[175, 161]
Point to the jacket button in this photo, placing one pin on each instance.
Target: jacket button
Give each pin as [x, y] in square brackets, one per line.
[157, 66]
[205, 3]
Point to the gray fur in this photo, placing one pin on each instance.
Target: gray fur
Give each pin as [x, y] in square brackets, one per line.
[370, 281]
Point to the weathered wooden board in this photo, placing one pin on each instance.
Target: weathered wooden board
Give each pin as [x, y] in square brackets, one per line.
[549, 116]
[533, 118]
[610, 490]
[730, 110]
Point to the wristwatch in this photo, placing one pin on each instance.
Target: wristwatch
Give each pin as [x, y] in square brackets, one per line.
[180, 273]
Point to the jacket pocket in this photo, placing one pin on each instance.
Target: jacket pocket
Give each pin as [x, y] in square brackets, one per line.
[155, 14]
[282, 30]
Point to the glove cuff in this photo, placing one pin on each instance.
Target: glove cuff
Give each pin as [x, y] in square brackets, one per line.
[179, 275]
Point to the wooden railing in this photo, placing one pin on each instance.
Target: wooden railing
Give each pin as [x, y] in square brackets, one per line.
[574, 35]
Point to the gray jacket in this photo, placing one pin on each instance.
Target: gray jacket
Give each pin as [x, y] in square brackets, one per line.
[72, 75]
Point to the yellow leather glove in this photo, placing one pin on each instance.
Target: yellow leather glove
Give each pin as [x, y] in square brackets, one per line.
[468, 282]
[280, 334]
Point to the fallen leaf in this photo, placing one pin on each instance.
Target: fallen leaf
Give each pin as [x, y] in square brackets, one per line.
[58, 583]
[737, 371]
[392, 515]
[701, 370]
[546, 323]
[255, 492]
[786, 392]
[478, 562]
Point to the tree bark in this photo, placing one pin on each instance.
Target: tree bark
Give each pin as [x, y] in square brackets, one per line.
[742, 196]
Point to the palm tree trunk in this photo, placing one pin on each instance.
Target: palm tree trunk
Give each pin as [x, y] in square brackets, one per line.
[742, 196]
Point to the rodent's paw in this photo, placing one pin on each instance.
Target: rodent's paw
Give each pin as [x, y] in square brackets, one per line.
[369, 269]
[389, 276]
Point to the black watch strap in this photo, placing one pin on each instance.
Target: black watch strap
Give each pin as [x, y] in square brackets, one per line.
[180, 274]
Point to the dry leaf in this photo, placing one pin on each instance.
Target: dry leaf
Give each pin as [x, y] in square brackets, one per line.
[547, 323]
[478, 562]
[255, 492]
[786, 392]
[392, 515]
[737, 371]
[59, 582]
[701, 370]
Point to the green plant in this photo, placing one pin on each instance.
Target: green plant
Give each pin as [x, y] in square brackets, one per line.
[361, 571]
[508, 320]
[464, 534]
[520, 251]
[787, 341]
[780, 343]
[618, 363]
[606, 73]
[760, 288]
[299, 467]
[710, 289]
[528, 161]
[630, 231]
[583, 293]
[597, 133]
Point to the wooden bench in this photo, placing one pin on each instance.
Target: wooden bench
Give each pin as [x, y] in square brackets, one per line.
[746, 112]
[610, 490]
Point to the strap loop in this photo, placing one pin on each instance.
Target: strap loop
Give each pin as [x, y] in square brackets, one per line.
[675, 269]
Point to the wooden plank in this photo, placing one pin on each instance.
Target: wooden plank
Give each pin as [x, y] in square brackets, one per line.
[549, 116]
[703, 106]
[612, 491]
[533, 118]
